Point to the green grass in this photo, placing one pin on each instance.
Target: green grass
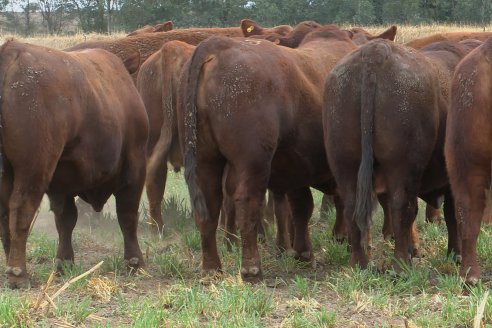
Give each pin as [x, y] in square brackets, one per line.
[13, 310]
[172, 292]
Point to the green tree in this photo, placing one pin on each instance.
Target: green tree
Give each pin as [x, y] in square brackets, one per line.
[408, 12]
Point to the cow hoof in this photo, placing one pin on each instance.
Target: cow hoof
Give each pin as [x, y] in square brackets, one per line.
[17, 278]
[339, 238]
[292, 253]
[457, 259]
[415, 253]
[134, 263]
[472, 281]
[261, 238]
[19, 282]
[252, 274]
[388, 237]
[211, 272]
[61, 265]
[471, 274]
[306, 256]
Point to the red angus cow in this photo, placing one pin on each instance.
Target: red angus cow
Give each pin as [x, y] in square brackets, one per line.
[157, 83]
[72, 124]
[468, 150]
[394, 101]
[163, 27]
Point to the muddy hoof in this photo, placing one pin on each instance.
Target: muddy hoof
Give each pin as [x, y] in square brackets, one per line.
[261, 238]
[134, 263]
[415, 253]
[339, 238]
[251, 274]
[62, 265]
[359, 261]
[17, 278]
[292, 253]
[388, 237]
[471, 274]
[472, 281]
[457, 258]
[306, 256]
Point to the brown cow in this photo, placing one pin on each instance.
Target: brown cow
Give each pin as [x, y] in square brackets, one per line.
[450, 36]
[251, 28]
[148, 43]
[73, 124]
[468, 149]
[397, 121]
[163, 27]
[269, 99]
[157, 82]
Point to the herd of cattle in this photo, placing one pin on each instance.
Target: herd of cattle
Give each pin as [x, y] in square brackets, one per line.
[249, 109]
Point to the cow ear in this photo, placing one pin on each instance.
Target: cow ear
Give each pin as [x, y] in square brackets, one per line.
[389, 34]
[250, 27]
[164, 27]
[349, 33]
[132, 62]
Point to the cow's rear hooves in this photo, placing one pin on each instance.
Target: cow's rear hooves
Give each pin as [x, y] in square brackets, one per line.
[252, 274]
[134, 263]
[292, 253]
[472, 281]
[18, 282]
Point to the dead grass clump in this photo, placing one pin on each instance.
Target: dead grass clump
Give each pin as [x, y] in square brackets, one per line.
[102, 288]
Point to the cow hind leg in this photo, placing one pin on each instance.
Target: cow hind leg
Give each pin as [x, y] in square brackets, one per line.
[403, 207]
[432, 214]
[340, 230]
[282, 214]
[127, 202]
[65, 219]
[301, 202]
[229, 216]
[24, 201]
[5, 192]
[454, 242]
[155, 183]
[249, 198]
[470, 203]
[210, 181]
[387, 222]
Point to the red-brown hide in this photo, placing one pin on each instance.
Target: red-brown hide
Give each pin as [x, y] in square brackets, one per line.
[73, 124]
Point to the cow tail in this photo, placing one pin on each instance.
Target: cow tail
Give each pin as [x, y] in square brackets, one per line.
[200, 56]
[365, 196]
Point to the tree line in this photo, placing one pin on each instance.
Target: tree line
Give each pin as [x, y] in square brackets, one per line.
[106, 16]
